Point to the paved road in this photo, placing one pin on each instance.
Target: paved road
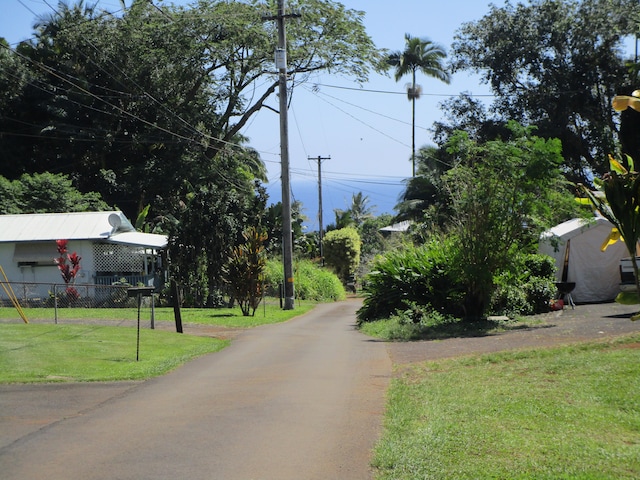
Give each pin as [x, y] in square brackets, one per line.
[302, 400]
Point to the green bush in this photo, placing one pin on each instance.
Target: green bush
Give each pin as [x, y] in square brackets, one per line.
[409, 276]
[509, 298]
[539, 265]
[414, 280]
[526, 288]
[342, 251]
[312, 282]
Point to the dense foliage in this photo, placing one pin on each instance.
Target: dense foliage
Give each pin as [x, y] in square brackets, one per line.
[421, 285]
[501, 193]
[244, 271]
[312, 282]
[46, 193]
[145, 107]
[342, 252]
[490, 185]
[499, 196]
[526, 287]
[412, 275]
[556, 64]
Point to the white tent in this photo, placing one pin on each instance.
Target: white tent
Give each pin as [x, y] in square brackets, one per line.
[576, 247]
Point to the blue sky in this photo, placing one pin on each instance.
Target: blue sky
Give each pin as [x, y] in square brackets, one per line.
[366, 133]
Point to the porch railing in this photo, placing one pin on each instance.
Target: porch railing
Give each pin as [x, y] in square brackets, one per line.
[133, 280]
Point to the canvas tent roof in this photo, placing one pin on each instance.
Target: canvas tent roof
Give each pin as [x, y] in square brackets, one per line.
[111, 225]
[595, 273]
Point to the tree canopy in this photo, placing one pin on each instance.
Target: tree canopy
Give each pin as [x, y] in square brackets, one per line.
[146, 108]
[123, 102]
[556, 64]
[45, 193]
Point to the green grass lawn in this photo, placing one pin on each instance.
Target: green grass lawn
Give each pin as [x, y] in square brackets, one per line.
[227, 317]
[46, 352]
[560, 413]
[79, 353]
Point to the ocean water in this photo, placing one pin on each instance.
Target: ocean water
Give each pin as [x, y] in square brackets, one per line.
[382, 197]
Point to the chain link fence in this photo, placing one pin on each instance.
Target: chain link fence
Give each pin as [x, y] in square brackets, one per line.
[60, 302]
[91, 303]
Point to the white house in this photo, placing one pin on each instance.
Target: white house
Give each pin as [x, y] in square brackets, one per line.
[109, 246]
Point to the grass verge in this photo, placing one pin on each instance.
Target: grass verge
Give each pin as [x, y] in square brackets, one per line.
[559, 413]
[227, 317]
[398, 329]
[78, 353]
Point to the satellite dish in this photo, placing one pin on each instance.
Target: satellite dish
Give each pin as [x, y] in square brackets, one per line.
[115, 221]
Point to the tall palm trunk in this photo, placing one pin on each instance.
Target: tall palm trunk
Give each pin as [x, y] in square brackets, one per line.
[413, 125]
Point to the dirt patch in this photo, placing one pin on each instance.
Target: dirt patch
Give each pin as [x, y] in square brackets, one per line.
[584, 323]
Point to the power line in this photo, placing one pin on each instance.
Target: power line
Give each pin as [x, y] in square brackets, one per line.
[364, 123]
[388, 92]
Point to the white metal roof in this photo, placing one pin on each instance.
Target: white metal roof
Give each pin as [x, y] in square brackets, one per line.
[109, 225]
[139, 239]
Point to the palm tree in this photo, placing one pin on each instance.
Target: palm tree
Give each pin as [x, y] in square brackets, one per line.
[423, 55]
[359, 211]
[424, 197]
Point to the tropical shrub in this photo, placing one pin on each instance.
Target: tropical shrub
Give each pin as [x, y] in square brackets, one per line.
[312, 282]
[69, 271]
[409, 276]
[415, 284]
[526, 287]
[342, 251]
[245, 269]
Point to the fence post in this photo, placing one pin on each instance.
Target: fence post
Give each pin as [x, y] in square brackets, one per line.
[153, 311]
[175, 293]
[55, 303]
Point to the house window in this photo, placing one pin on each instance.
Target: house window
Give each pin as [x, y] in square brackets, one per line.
[31, 254]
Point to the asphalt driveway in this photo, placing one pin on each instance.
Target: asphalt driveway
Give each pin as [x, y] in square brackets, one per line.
[299, 400]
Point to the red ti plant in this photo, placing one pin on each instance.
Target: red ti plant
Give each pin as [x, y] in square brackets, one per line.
[68, 270]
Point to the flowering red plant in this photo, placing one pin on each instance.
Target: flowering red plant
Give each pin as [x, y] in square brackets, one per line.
[68, 270]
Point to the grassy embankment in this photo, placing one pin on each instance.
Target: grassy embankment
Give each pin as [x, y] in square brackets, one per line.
[560, 413]
[101, 350]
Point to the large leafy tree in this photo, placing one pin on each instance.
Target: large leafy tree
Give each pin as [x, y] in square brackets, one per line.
[124, 102]
[424, 200]
[147, 108]
[45, 193]
[556, 64]
[209, 221]
[501, 194]
[419, 55]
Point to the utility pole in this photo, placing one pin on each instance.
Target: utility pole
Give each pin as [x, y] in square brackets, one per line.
[287, 240]
[319, 159]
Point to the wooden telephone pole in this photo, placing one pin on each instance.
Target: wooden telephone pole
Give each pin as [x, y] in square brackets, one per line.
[287, 240]
[320, 224]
